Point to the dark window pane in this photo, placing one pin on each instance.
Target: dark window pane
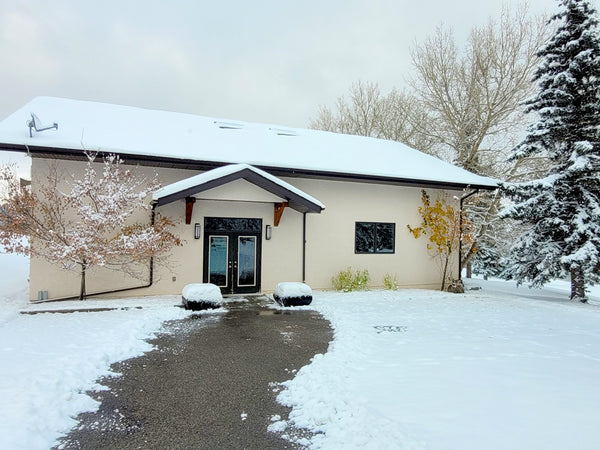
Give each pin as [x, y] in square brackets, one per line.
[246, 261]
[217, 260]
[232, 224]
[385, 237]
[364, 240]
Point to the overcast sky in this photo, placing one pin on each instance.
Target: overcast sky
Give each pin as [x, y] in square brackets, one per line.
[253, 60]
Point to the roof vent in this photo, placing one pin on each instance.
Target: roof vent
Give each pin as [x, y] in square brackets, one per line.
[284, 132]
[36, 124]
[229, 125]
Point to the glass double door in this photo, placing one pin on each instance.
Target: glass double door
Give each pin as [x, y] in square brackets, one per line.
[232, 254]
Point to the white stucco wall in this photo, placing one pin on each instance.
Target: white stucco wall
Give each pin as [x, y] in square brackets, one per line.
[329, 236]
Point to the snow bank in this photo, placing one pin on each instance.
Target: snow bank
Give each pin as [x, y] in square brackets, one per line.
[14, 285]
[414, 369]
[99, 304]
[555, 290]
[49, 361]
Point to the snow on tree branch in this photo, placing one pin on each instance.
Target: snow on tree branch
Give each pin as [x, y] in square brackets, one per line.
[91, 223]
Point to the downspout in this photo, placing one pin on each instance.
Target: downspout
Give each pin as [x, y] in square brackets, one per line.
[460, 228]
[304, 247]
[114, 291]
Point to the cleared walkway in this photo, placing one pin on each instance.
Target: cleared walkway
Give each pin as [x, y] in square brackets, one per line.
[211, 382]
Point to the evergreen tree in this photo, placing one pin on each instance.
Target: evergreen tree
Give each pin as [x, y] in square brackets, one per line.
[563, 208]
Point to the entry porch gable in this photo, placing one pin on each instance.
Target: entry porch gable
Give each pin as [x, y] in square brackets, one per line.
[295, 198]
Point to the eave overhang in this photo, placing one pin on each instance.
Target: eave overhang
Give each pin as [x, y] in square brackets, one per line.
[193, 164]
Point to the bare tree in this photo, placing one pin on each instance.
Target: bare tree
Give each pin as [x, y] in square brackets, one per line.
[367, 112]
[475, 95]
[474, 101]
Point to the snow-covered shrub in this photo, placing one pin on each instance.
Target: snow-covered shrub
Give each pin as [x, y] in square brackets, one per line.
[391, 282]
[197, 296]
[292, 294]
[350, 280]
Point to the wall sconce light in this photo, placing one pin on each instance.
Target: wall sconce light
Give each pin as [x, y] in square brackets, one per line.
[197, 231]
[268, 232]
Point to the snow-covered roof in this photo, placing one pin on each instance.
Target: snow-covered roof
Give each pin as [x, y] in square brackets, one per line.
[297, 199]
[176, 136]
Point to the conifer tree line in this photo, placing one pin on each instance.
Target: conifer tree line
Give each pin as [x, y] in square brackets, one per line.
[471, 106]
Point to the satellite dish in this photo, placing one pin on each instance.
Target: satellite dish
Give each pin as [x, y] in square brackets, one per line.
[36, 124]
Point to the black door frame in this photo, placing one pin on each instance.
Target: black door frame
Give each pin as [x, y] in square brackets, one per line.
[233, 229]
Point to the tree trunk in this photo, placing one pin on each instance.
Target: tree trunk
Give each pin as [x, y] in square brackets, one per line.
[444, 274]
[469, 269]
[577, 284]
[82, 287]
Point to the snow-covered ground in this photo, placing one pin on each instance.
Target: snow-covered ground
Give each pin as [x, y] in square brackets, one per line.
[14, 286]
[495, 368]
[49, 361]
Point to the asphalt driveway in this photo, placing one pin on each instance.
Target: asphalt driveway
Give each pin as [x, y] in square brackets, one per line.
[211, 383]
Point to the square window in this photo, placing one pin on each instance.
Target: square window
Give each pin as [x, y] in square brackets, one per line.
[374, 237]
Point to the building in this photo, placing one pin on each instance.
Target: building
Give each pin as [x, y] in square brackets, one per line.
[257, 204]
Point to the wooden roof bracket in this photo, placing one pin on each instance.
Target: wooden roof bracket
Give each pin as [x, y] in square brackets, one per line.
[189, 208]
[279, 207]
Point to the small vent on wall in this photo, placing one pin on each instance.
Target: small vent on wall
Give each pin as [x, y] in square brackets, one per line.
[229, 125]
[284, 132]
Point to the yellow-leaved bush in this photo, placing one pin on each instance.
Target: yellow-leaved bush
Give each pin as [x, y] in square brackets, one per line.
[441, 223]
